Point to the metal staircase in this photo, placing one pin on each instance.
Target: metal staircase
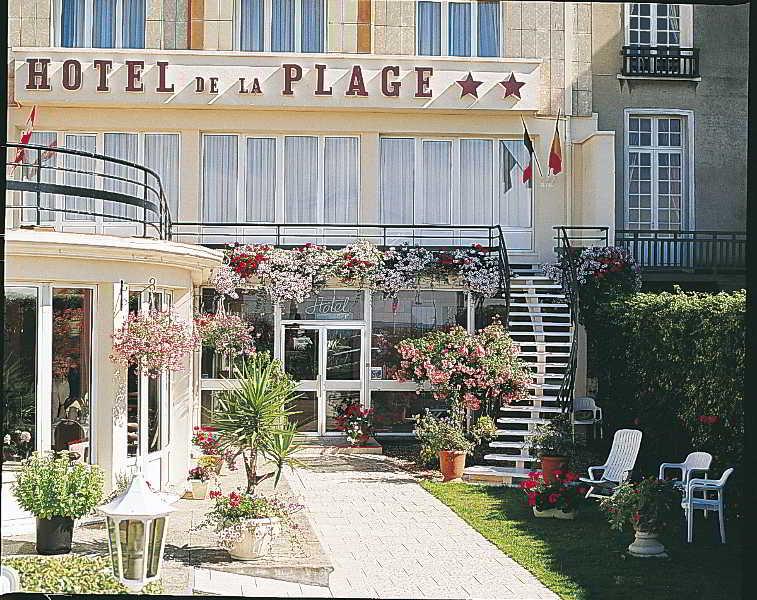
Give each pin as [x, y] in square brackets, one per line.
[540, 321]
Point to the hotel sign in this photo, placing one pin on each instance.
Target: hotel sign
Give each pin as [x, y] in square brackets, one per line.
[90, 77]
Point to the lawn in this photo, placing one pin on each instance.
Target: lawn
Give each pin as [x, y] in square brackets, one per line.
[585, 559]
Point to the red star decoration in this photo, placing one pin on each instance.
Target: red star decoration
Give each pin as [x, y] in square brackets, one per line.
[512, 87]
[469, 86]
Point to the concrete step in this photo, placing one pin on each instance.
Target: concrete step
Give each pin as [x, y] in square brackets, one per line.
[556, 365]
[513, 432]
[532, 285]
[494, 475]
[510, 457]
[532, 409]
[544, 386]
[539, 295]
[529, 343]
[542, 304]
[551, 315]
[524, 420]
[544, 354]
[542, 333]
[516, 445]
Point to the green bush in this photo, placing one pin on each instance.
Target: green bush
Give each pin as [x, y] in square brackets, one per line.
[672, 365]
[70, 575]
[49, 486]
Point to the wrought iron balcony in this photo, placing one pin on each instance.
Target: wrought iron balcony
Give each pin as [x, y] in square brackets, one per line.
[85, 186]
[660, 61]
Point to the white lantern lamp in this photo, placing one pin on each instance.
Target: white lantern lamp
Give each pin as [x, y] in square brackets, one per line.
[136, 523]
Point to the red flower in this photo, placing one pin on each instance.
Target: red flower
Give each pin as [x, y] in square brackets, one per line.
[557, 473]
[570, 476]
[709, 419]
[553, 498]
[215, 494]
[532, 499]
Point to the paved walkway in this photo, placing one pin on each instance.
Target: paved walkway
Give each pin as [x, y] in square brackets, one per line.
[389, 538]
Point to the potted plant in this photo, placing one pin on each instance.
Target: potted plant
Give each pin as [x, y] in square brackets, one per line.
[252, 420]
[206, 439]
[355, 421]
[199, 477]
[553, 445]
[443, 437]
[558, 499]
[57, 492]
[247, 525]
[648, 506]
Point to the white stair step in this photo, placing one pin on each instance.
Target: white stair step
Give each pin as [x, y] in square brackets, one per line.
[560, 315]
[544, 386]
[530, 343]
[507, 444]
[555, 365]
[543, 333]
[510, 457]
[526, 420]
[545, 354]
[492, 471]
[542, 304]
[532, 409]
[532, 285]
[538, 295]
[515, 432]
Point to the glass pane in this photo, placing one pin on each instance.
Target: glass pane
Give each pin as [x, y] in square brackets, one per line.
[343, 354]
[162, 156]
[104, 24]
[132, 392]
[488, 28]
[47, 159]
[329, 305]
[459, 29]
[429, 28]
[255, 307]
[412, 315]
[208, 402]
[154, 549]
[313, 25]
[154, 394]
[72, 23]
[302, 197]
[261, 179]
[282, 26]
[301, 353]
[342, 180]
[219, 177]
[252, 25]
[334, 399]
[434, 206]
[71, 376]
[20, 373]
[395, 411]
[306, 405]
[132, 547]
[133, 24]
[397, 180]
[78, 173]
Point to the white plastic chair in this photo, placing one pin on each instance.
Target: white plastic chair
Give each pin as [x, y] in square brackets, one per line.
[696, 462]
[692, 503]
[587, 403]
[619, 463]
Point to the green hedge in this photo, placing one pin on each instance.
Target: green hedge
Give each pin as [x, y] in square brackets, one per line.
[665, 362]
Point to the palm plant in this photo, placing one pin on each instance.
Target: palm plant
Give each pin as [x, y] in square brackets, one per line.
[253, 419]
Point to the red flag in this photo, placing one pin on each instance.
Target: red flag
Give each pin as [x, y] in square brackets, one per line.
[555, 151]
[26, 135]
[528, 172]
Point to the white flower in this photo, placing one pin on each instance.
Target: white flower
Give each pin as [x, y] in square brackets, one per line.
[25, 437]
[7, 438]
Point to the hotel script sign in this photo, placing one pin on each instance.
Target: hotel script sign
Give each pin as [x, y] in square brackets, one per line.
[121, 78]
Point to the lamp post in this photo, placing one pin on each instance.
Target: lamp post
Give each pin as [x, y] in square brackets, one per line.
[136, 523]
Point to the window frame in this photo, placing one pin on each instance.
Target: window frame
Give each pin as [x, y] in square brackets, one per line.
[444, 25]
[688, 202]
[56, 23]
[685, 21]
[268, 27]
[279, 208]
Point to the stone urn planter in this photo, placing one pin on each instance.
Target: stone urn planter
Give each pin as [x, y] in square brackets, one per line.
[199, 489]
[550, 464]
[451, 464]
[554, 513]
[646, 545]
[257, 539]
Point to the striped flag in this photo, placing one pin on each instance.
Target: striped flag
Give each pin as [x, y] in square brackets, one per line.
[26, 135]
[528, 172]
[555, 150]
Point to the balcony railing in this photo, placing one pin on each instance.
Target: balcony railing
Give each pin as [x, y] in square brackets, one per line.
[660, 61]
[83, 186]
[685, 251]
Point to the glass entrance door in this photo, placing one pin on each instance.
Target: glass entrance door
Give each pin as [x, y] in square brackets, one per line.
[327, 362]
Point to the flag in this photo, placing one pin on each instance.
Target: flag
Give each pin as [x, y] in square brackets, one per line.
[26, 135]
[555, 150]
[528, 172]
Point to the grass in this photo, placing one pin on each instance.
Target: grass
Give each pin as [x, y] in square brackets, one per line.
[585, 559]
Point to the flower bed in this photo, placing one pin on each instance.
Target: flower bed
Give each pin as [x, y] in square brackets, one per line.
[562, 494]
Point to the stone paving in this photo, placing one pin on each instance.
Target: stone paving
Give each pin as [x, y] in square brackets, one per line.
[389, 538]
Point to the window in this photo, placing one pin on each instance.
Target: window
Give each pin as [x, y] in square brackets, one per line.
[652, 24]
[101, 23]
[293, 25]
[465, 181]
[465, 28]
[656, 172]
[293, 179]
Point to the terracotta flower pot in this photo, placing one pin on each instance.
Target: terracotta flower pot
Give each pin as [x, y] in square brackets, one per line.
[550, 464]
[451, 464]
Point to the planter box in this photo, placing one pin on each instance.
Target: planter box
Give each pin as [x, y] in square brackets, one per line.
[554, 513]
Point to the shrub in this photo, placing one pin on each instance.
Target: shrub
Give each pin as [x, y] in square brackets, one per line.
[49, 486]
[437, 434]
[70, 575]
[672, 365]
[554, 438]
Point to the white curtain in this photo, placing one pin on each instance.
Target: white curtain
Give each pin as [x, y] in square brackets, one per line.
[476, 181]
[313, 24]
[252, 25]
[133, 22]
[219, 178]
[78, 173]
[342, 181]
[434, 205]
[261, 180]
[126, 147]
[514, 199]
[429, 28]
[162, 156]
[104, 24]
[72, 23]
[397, 180]
[48, 162]
[674, 24]
[301, 179]
[282, 26]
[488, 28]
[459, 28]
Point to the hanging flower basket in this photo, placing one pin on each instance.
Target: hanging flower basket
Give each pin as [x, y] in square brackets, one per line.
[154, 341]
[229, 335]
